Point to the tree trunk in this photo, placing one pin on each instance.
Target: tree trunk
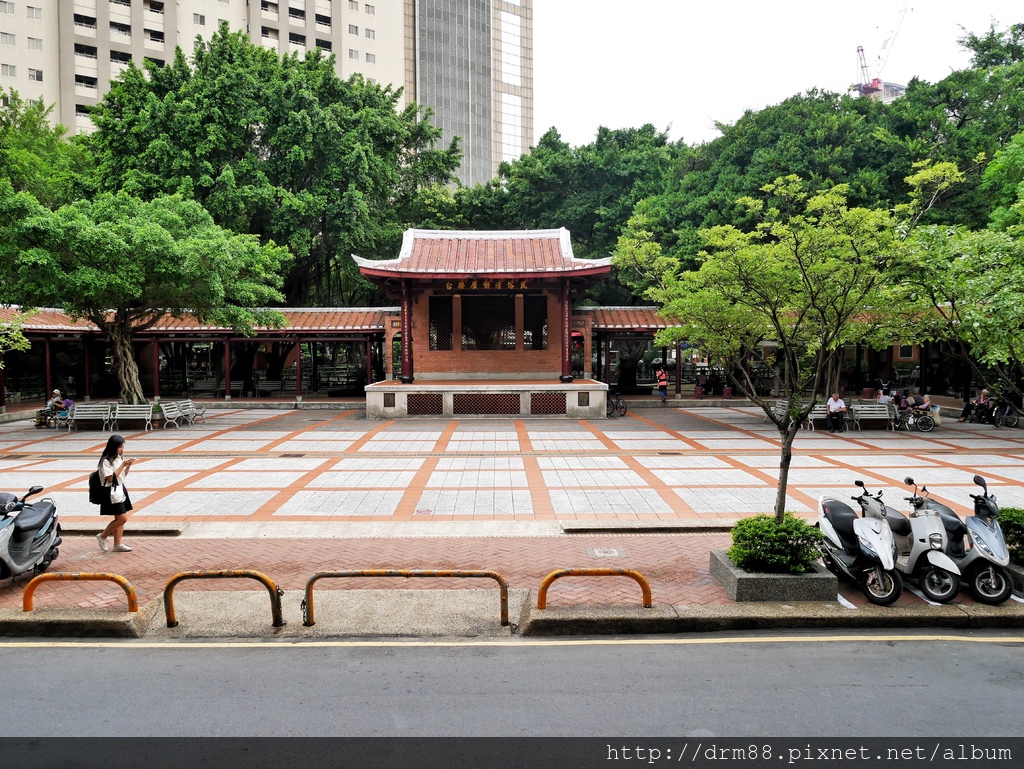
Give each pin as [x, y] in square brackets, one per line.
[125, 368]
[786, 456]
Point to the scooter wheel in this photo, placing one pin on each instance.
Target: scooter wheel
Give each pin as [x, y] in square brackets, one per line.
[939, 585]
[992, 585]
[882, 587]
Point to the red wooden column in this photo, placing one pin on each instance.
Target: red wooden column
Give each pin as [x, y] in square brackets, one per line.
[48, 385]
[407, 373]
[227, 370]
[298, 370]
[156, 370]
[3, 387]
[369, 361]
[566, 333]
[679, 371]
[88, 378]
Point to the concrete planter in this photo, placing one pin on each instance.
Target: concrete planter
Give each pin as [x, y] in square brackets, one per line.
[817, 585]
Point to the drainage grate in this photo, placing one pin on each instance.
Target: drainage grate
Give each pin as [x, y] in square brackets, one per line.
[291, 456]
[606, 552]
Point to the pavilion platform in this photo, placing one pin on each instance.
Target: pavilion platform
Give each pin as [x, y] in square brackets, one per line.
[490, 398]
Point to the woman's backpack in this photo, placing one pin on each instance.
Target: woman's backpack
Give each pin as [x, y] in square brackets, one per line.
[98, 493]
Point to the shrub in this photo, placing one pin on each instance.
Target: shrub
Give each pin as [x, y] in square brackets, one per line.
[762, 544]
[1011, 521]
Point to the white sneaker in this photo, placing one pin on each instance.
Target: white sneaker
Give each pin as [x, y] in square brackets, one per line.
[122, 549]
[103, 543]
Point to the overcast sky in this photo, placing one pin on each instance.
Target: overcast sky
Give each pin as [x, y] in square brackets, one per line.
[689, 63]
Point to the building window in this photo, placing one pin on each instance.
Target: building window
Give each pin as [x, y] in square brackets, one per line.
[126, 3]
[87, 22]
[371, 34]
[441, 330]
[353, 5]
[35, 44]
[296, 39]
[371, 58]
[324, 45]
[488, 322]
[353, 54]
[154, 6]
[297, 14]
[322, 19]
[8, 70]
[155, 35]
[6, 38]
[34, 12]
[35, 75]
[370, 10]
[8, 7]
[88, 51]
[269, 7]
[906, 351]
[121, 29]
[353, 29]
[198, 18]
[511, 127]
[120, 57]
[81, 110]
[535, 322]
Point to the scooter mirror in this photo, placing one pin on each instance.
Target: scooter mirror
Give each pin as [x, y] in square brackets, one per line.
[859, 484]
[34, 490]
[909, 481]
[981, 482]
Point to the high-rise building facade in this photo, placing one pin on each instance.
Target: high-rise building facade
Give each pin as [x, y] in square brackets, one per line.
[470, 60]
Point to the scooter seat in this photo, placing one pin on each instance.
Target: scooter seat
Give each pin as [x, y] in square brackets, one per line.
[34, 516]
[841, 516]
[898, 523]
[955, 528]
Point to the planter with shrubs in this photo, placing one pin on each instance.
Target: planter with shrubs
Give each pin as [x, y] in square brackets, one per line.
[1011, 520]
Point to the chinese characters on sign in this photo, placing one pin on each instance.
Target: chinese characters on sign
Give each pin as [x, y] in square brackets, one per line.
[486, 284]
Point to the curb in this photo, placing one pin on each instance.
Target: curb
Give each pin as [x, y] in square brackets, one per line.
[79, 623]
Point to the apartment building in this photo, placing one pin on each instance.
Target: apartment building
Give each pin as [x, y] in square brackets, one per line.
[470, 60]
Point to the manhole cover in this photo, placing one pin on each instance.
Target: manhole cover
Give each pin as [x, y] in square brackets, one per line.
[606, 552]
[423, 511]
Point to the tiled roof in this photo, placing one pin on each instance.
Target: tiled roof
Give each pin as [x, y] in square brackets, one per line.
[296, 319]
[632, 318]
[443, 253]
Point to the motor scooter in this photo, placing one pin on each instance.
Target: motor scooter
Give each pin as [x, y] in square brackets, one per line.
[976, 544]
[921, 544]
[860, 548]
[29, 534]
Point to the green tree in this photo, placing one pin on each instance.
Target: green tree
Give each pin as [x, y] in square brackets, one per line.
[279, 148]
[36, 157]
[124, 263]
[808, 277]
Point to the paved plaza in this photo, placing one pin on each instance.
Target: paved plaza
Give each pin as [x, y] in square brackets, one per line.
[289, 492]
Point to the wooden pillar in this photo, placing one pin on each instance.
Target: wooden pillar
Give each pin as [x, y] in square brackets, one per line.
[369, 361]
[156, 370]
[407, 372]
[87, 390]
[3, 387]
[679, 371]
[48, 384]
[298, 370]
[566, 311]
[314, 368]
[607, 360]
[922, 364]
[227, 369]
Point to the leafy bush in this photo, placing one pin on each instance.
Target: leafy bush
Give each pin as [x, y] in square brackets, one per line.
[1011, 520]
[762, 544]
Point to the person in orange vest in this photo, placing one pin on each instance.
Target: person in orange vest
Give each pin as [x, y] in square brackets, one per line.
[662, 382]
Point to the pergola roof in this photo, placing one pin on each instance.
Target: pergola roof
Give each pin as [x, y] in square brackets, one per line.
[297, 320]
[498, 253]
[638, 319]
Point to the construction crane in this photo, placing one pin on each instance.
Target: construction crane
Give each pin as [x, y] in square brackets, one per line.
[867, 86]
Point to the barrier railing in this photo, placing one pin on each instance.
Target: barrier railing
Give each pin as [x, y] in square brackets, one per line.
[542, 593]
[272, 588]
[307, 603]
[30, 588]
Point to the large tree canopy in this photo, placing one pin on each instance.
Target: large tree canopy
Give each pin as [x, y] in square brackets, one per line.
[279, 148]
[124, 263]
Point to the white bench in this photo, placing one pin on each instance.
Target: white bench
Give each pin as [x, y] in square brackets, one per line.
[821, 412]
[172, 414]
[142, 411]
[880, 411]
[191, 411]
[89, 412]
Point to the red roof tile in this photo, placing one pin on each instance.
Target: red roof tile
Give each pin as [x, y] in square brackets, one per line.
[632, 318]
[453, 253]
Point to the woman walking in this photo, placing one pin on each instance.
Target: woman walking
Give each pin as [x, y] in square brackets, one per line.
[113, 469]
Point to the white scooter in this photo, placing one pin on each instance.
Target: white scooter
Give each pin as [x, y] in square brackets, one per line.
[29, 534]
[977, 548]
[921, 544]
[860, 548]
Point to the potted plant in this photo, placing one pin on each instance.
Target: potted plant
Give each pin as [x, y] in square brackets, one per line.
[1011, 520]
[773, 561]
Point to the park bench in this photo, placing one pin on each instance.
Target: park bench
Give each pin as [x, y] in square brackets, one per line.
[821, 412]
[873, 411]
[142, 411]
[191, 411]
[173, 414]
[778, 409]
[89, 412]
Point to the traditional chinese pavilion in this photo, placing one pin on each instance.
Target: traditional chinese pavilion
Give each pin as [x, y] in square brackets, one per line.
[485, 325]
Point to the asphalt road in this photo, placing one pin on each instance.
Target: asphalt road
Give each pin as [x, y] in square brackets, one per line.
[910, 684]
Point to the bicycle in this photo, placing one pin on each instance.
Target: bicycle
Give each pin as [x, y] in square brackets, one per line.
[615, 405]
[1005, 414]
